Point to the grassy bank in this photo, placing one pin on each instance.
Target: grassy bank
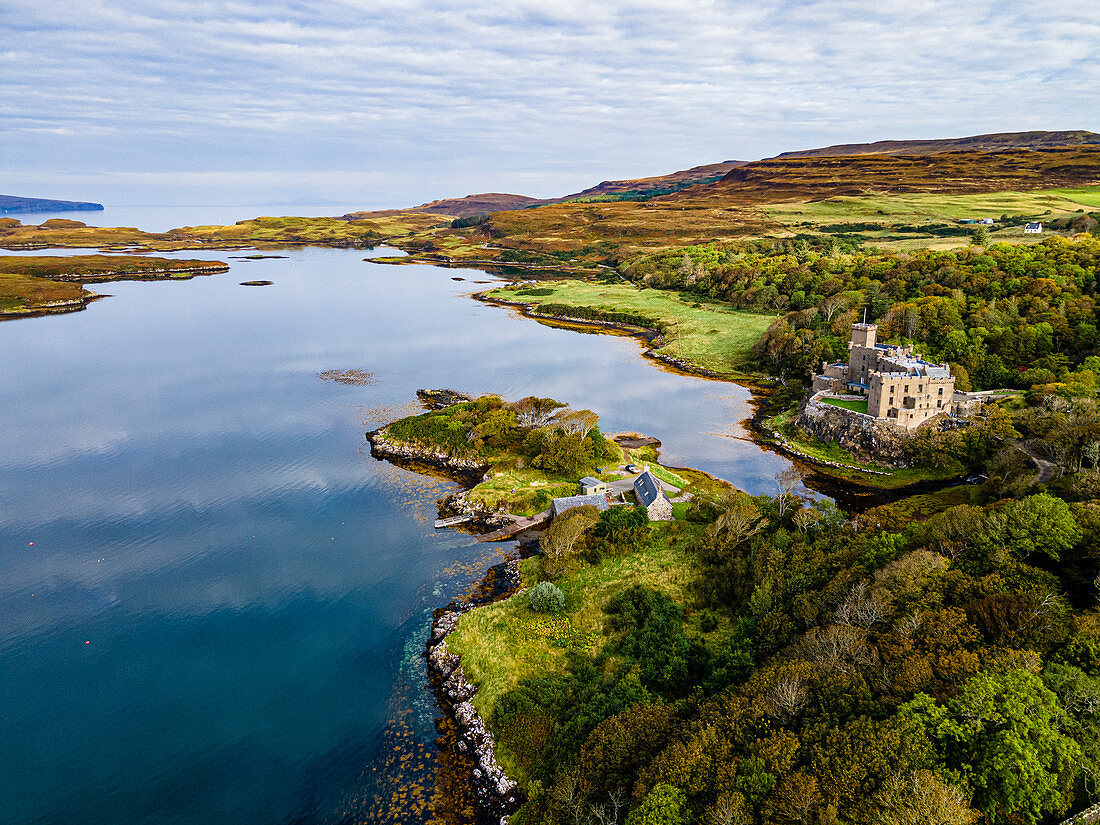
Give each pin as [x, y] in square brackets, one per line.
[34, 284]
[854, 406]
[25, 294]
[908, 209]
[503, 643]
[708, 335]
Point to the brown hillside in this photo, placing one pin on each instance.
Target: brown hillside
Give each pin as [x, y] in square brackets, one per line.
[478, 204]
[675, 180]
[784, 179]
[491, 202]
[997, 142]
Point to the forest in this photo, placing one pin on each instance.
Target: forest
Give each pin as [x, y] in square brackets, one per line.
[824, 668]
[1014, 316]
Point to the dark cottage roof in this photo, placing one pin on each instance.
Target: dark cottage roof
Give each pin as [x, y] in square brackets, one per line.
[589, 481]
[560, 505]
[647, 489]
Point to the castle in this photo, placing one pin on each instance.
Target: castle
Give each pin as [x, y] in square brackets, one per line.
[898, 386]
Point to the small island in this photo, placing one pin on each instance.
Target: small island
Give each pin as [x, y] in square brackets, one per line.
[37, 285]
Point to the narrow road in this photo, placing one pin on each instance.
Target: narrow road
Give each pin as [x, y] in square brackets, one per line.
[1047, 469]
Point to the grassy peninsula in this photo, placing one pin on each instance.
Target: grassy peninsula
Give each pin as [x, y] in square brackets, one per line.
[31, 285]
[263, 232]
[700, 332]
[529, 452]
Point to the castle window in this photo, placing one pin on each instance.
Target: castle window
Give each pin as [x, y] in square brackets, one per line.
[941, 390]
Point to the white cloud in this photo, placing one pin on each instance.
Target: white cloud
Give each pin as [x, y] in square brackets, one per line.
[478, 95]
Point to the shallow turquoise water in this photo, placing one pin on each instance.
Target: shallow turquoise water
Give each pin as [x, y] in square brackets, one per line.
[208, 588]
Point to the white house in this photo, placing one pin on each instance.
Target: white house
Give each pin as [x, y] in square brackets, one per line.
[1033, 229]
[593, 486]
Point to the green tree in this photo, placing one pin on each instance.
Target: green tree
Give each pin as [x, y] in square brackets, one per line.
[622, 529]
[558, 540]
[564, 455]
[1002, 737]
[663, 805]
[1036, 524]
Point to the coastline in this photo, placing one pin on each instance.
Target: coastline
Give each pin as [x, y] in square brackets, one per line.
[467, 749]
[762, 435]
[653, 338]
[37, 294]
[470, 777]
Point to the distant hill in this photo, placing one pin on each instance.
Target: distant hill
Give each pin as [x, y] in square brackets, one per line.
[816, 178]
[635, 189]
[478, 204]
[12, 203]
[997, 142]
[660, 184]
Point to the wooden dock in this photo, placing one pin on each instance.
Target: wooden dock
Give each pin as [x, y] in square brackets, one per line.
[440, 523]
[517, 526]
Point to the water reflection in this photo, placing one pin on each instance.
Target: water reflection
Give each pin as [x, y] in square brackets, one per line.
[208, 589]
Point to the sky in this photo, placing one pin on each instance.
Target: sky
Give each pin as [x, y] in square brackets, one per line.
[386, 103]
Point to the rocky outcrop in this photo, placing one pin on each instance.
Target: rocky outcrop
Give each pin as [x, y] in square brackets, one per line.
[496, 795]
[400, 453]
[158, 274]
[441, 399]
[865, 437]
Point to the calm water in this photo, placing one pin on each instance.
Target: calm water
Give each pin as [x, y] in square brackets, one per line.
[212, 600]
[163, 218]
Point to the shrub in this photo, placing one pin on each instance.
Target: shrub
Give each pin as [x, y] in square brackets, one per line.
[707, 621]
[546, 597]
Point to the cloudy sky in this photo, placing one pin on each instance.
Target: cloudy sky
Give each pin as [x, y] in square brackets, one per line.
[393, 102]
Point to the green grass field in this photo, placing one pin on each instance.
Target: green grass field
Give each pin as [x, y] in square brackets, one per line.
[709, 335]
[507, 641]
[854, 406]
[937, 208]
[1085, 195]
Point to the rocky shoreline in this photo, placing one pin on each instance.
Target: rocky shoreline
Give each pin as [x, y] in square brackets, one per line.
[472, 778]
[160, 274]
[462, 470]
[465, 738]
[50, 308]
